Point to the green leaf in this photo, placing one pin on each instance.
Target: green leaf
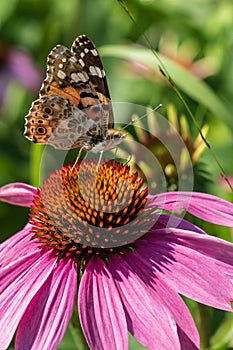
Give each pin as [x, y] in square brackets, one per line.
[134, 344]
[224, 335]
[195, 88]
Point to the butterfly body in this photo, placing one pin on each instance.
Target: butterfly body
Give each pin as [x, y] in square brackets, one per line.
[74, 109]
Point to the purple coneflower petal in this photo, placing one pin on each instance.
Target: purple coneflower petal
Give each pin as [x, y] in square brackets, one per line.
[195, 265]
[148, 318]
[202, 205]
[169, 221]
[13, 270]
[46, 319]
[18, 193]
[25, 277]
[18, 245]
[186, 328]
[100, 308]
[13, 242]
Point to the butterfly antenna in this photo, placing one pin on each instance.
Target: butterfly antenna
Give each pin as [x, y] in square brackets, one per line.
[143, 116]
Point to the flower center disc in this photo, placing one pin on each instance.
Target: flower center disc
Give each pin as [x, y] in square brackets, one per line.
[89, 208]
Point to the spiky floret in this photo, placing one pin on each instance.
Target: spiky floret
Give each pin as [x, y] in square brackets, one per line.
[83, 212]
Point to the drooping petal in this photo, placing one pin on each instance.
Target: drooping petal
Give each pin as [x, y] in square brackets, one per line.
[17, 245]
[20, 290]
[186, 328]
[202, 205]
[195, 265]
[14, 269]
[169, 221]
[148, 318]
[18, 193]
[100, 308]
[47, 317]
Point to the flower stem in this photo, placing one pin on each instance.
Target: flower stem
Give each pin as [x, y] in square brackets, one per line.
[205, 321]
[76, 331]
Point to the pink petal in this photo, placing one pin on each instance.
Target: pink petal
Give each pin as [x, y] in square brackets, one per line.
[18, 194]
[202, 205]
[47, 317]
[186, 328]
[148, 317]
[14, 269]
[195, 265]
[170, 221]
[100, 308]
[18, 245]
[18, 294]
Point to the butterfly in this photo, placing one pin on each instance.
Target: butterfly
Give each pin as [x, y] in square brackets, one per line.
[74, 108]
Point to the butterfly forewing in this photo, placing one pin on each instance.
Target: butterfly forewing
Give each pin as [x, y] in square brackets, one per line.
[91, 63]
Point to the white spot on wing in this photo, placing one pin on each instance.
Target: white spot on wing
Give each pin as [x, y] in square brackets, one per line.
[61, 74]
[99, 73]
[73, 59]
[81, 62]
[96, 71]
[76, 77]
[94, 52]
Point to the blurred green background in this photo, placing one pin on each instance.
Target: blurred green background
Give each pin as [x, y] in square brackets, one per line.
[195, 40]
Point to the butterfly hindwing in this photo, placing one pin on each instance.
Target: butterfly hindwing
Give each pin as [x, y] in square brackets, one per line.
[54, 120]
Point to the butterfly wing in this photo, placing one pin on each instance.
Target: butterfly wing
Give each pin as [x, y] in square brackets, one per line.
[89, 59]
[67, 79]
[55, 121]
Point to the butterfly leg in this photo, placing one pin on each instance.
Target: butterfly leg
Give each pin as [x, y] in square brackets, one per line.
[129, 159]
[77, 159]
[116, 149]
[100, 158]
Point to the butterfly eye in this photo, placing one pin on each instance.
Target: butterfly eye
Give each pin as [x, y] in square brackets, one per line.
[41, 130]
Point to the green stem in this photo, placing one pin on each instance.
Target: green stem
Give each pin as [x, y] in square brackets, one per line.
[75, 326]
[77, 335]
[205, 320]
[35, 163]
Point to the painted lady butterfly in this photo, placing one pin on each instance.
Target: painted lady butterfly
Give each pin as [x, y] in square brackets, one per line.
[74, 109]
